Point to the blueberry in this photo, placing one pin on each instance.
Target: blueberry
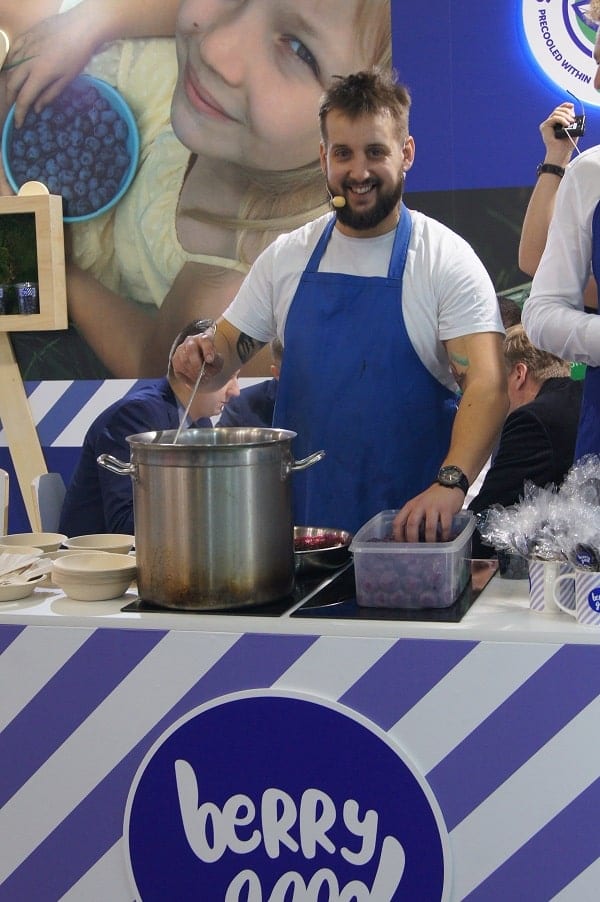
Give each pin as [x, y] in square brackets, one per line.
[63, 160]
[18, 148]
[96, 199]
[101, 130]
[93, 144]
[33, 172]
[63, 140]
[120, 130]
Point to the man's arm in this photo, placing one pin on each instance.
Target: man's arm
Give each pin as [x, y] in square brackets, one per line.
[558, 152]
[478, 366]
[553, 315]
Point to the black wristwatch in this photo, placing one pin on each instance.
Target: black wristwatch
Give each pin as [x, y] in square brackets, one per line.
[552, 168]
[453, 477]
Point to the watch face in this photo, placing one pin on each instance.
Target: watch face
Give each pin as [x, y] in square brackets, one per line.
[450, 475]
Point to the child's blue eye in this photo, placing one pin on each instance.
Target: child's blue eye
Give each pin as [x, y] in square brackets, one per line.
[303, 53]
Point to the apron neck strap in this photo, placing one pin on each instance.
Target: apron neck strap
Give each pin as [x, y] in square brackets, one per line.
[399, 250]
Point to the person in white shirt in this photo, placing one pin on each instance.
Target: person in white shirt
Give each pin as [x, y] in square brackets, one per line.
[382, 313]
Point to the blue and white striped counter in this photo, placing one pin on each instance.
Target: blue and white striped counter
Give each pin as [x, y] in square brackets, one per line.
[500, 714]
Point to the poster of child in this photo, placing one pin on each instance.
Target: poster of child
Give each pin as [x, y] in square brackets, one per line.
[225, 96]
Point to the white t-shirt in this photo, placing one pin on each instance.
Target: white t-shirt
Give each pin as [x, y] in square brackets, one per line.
[446, 291]
[553, 315]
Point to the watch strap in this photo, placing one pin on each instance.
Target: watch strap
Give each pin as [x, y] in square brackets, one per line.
[551, 168]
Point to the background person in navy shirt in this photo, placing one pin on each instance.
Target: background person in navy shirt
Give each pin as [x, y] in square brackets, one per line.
[99, 501]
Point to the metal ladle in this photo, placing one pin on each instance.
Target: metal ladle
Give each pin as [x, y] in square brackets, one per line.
[189, 403]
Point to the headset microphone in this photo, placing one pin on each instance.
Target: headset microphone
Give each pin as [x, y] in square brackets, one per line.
[338, 200]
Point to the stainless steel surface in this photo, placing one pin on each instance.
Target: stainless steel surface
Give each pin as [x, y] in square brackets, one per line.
[317, 560]
[213, 515]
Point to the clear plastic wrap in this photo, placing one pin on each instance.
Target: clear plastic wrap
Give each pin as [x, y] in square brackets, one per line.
[551, 524]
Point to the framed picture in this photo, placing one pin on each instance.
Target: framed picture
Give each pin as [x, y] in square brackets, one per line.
[32, 262]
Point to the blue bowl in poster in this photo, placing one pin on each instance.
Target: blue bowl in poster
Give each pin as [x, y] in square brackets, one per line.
[84, 146]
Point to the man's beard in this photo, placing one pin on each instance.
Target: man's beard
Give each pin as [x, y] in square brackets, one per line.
[369, 219]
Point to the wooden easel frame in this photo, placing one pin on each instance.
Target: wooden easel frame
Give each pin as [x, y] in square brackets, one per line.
[15, 413]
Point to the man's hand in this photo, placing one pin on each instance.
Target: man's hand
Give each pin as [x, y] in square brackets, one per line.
[190, 356]
[558, 150]
[428, 515]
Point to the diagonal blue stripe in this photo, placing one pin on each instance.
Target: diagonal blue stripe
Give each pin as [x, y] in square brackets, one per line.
[8, 634]
[67, 700]
[97, 823]
[406, 672]
[525, 722]
[552, 858]
[65, 409]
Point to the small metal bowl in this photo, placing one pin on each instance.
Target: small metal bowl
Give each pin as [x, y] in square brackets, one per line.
[318, 548]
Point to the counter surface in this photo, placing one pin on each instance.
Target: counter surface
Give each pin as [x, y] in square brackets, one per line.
[500, 613]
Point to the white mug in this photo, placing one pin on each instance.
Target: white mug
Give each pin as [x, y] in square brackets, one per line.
[587, 595]
[542, 579]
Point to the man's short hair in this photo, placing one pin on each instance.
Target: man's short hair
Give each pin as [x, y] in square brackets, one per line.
[366, 93]
[541, 365]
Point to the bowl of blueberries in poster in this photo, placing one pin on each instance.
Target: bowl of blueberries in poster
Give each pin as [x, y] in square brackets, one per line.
[84, 146]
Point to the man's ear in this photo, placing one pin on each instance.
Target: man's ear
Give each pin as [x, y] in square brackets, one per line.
[521, 372]
[408, 153]
[323, 157]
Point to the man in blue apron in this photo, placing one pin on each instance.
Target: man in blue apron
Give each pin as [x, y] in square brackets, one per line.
[383, 314]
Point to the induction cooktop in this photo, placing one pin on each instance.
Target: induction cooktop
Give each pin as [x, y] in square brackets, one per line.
[332, 596]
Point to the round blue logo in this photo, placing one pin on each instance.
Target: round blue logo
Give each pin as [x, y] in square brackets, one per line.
[594, 599]
[561, 40]
[280, 798]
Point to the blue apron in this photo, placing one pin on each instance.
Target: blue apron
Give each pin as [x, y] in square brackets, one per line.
[352, 384]
[588, 433]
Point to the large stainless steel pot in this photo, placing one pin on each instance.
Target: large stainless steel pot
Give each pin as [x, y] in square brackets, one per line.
[213, 515]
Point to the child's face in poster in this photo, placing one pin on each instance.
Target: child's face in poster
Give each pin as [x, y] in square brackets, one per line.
[251, 73]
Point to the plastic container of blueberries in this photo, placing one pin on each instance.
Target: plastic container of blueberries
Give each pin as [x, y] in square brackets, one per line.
[411, 575]
[118, 103]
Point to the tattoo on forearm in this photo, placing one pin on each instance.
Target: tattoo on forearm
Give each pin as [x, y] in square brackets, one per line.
[459, 367]
[247, 347]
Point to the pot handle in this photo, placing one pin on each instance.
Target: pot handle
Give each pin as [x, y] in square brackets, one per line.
[114, 465]
[307, 461]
